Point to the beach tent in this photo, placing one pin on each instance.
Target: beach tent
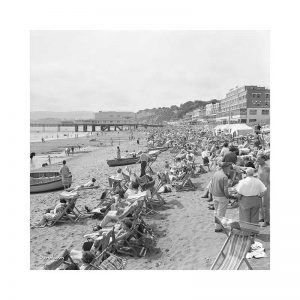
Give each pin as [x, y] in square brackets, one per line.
[224, 128]
[233, 129]
[240, 129]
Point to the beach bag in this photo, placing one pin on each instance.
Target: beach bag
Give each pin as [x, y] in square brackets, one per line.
[113, 262]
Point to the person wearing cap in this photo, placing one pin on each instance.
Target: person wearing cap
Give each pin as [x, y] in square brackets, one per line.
[250, 190]
[264, 176]
[219, 191]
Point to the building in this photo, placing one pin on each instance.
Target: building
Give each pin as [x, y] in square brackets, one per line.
[246, 104]
[115, 117]
[211, 111]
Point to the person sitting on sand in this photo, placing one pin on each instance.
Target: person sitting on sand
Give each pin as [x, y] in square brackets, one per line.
[50, 215]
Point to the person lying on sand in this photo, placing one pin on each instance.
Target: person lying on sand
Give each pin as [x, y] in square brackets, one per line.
[89, 184]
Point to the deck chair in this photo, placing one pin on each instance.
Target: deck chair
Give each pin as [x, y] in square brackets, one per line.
[70, 213]
[63, 258]
[153, 198]
[135, 241]
[106, 242]
[234, 250]
[150, 163]
[114, 183]
[186, 183]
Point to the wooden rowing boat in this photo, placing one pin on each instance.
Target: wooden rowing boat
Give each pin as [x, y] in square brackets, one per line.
[122, 161]
[46, 181]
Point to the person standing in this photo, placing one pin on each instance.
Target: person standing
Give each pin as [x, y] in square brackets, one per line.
[264, 176]
[49, 159]
[250, 191]
[144, 161]
[219, 191]
[205, 158]
[230, 156]
[225, 149]
[65, 175]
[118, 153]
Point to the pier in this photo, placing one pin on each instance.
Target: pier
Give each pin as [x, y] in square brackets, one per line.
[94, 124]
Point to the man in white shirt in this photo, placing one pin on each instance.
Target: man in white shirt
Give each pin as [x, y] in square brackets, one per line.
[250, 190]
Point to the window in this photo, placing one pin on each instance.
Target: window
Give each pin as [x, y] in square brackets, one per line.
[267, 95]
[252, 120]
[265, 112]
[252, 111]
[253, 95]
[258, 95]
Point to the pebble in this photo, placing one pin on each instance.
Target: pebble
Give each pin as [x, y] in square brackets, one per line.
[157, 264]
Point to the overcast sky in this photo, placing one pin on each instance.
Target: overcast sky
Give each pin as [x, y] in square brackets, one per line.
[133, 70]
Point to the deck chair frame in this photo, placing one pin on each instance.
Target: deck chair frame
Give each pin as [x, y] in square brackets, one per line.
[185, 183]
[69, 213]
[237, 244]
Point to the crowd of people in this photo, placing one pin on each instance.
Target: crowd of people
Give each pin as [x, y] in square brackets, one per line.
[240, 175]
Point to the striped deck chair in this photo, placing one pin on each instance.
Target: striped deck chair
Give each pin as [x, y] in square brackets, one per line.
[186, 183]
[134, 242]
[106, 242]
[237, 245]
[150, 163]
[153, 198]
[70, 213]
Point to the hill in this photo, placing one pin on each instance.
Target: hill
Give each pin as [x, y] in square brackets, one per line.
[72, 115]
[173, 113]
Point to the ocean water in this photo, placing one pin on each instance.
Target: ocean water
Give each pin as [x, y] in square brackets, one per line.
[51, 133]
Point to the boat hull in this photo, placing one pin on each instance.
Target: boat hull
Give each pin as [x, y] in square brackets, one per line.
[43, 183]
[46, 187]
[122, 162]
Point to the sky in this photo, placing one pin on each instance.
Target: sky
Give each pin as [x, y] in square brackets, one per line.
[134, 70]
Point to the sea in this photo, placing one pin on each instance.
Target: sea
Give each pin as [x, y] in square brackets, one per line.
[51, 133]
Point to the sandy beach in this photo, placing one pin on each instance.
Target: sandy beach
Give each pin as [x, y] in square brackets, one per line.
[184, 227]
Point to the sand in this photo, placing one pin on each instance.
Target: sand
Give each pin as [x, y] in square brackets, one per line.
[184, 227]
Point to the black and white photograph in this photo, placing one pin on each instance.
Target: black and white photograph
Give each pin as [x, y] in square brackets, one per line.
[150, 150]
[136, 148]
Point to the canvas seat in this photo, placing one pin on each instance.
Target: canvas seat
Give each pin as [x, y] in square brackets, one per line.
[237, 245]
